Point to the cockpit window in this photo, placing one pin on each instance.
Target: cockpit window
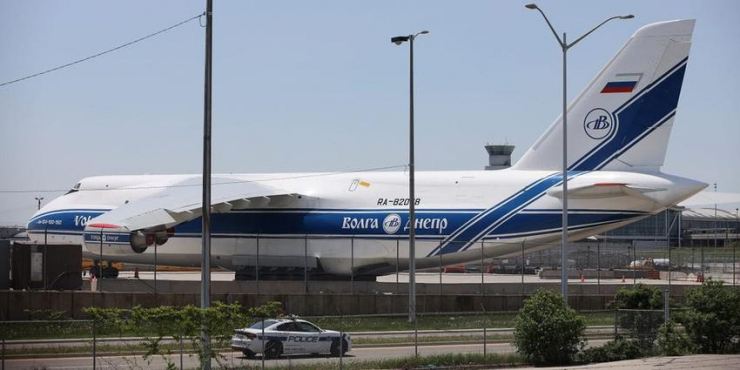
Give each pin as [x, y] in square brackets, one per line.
[74, 189]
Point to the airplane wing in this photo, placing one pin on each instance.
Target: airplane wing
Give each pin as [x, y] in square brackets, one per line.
[603, 190]
[181, 202]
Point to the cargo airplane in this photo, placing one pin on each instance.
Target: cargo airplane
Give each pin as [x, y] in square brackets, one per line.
[357, 223]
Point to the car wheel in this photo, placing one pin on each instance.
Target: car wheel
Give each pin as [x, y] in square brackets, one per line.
[248, 354]
[334, 350]
[273, 349]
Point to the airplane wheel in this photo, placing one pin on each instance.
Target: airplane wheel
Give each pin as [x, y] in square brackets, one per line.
[334, 350]
[273, 349]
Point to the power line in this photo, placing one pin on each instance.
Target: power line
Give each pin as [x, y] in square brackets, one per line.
[215, 184]
[102, 53]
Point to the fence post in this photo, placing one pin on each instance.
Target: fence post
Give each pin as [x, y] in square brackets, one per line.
[181, 367]
[666, 306]
[598, 268]
[95, 345]
[341, 341]
[398, 247]
[3, 356]
[482, 282]
[440, 274]
[485, 326]
[155, 270]
[522, 268]
[305, 265]
[616, 322]
[352, 266]
[100, 268]
[634, 268]
[416, 335]
[263, 343]
[257, 269]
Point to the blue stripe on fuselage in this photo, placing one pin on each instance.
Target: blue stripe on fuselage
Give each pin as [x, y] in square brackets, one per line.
[500, 214]
[329, 223]
[64, 219]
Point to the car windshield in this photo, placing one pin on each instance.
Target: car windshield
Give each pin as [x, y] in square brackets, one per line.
[258, 324]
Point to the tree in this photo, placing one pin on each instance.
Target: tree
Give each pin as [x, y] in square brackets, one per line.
[547, 332]
[713, 318]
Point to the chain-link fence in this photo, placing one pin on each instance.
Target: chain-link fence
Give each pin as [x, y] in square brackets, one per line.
[109, 344]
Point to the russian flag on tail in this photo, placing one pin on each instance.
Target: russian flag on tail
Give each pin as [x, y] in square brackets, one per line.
[622, 83]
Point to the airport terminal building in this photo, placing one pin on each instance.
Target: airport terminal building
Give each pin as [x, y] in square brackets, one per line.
[683, 227]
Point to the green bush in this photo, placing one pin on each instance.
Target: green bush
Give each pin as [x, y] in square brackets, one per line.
[616, 350]
[640, 312]
[547, 332]
[712, 320]
[672, 342]
[640, 297]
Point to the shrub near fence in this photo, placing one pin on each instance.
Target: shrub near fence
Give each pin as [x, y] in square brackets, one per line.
[639, 313]
[547, 332]
[713, 318]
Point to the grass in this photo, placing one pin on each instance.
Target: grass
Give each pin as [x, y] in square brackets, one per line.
[442, 322]
[84, 329]
[686, 253]
[138, 348]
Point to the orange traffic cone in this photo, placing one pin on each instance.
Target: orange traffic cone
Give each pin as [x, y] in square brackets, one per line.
[623, 279]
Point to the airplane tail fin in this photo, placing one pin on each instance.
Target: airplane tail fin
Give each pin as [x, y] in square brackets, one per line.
[623, 118]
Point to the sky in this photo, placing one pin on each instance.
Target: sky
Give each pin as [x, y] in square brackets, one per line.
[304, 86]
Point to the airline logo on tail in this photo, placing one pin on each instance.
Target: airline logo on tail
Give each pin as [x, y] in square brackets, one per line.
[598, 124]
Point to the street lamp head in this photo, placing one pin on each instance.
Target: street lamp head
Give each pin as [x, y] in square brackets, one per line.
[628, 16]
[398, 40]
[532, 6]
[423, 32]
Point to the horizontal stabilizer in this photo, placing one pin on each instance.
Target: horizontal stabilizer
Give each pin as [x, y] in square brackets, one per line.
[602, 190]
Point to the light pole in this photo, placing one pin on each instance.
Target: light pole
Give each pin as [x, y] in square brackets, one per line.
[38, 201]
[398, 40]
[564, 45]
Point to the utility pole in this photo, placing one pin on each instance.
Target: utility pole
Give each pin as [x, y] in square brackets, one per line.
[205, 265]
[38, 201]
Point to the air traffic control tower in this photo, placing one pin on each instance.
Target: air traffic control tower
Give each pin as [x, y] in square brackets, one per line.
[499, 156]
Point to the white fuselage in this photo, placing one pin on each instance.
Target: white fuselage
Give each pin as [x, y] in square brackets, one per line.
[358, 222]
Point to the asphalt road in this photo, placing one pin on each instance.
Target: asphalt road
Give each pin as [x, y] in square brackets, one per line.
[235, 358]
[71, 342]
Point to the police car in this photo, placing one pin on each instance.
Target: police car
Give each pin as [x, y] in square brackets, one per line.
[289, 336]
